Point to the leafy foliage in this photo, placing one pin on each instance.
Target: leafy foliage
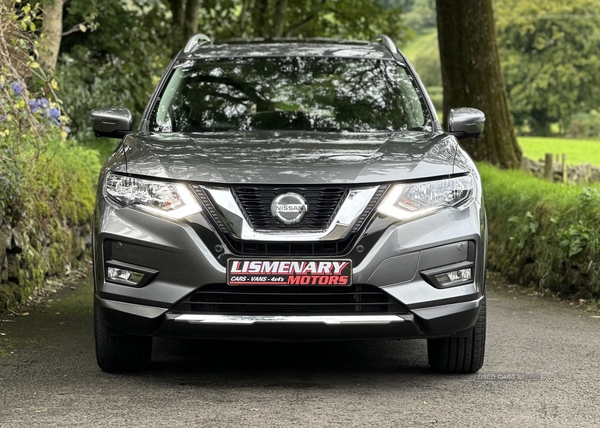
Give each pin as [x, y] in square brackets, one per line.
[420, 15]
[118, 63]
[29, 109]
[33, 132]
[360, 19]
[550, 53]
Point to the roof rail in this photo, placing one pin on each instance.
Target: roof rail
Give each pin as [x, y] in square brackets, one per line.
[386, 41]
[291, 40]
[195, 41]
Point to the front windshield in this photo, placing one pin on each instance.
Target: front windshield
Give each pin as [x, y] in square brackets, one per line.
[289, 93]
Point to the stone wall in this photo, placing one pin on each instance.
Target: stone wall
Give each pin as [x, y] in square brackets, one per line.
[30, 252]
[576, 174]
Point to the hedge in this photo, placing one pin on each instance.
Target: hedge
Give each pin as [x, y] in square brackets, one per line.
[542, 234]
[45, 223]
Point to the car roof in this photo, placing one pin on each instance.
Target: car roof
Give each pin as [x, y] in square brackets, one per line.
[289, 47]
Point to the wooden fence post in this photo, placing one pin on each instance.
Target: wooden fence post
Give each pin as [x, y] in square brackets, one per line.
[548, 167]
[565, 176]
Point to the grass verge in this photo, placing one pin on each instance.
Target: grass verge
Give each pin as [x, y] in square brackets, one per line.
[543, 234]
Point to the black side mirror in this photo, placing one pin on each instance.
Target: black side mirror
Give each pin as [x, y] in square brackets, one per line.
[466, 122]
[112, 122]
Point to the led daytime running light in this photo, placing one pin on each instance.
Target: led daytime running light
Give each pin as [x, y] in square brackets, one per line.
[171, 200]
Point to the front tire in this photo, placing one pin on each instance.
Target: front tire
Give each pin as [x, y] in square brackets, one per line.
[119, 352]
[459, 354]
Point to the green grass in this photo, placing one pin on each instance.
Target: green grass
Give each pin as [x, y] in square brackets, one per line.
[577, 151]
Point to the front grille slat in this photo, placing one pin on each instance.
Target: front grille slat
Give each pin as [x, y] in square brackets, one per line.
[240, 300]
[322, 202]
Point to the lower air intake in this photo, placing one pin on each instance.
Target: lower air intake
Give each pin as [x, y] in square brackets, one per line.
[271, 300]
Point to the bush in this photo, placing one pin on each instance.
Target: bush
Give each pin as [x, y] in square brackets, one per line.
[62, 184]
[543, 234]
[584, 125]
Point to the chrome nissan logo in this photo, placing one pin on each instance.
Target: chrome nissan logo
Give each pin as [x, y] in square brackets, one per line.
[289, 208]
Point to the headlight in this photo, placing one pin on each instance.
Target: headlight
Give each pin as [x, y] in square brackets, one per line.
[166, 199]
[408, 201]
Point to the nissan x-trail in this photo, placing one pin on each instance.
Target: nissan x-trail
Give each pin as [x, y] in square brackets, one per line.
[289, 190]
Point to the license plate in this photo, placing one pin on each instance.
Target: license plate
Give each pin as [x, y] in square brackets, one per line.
[317, 273]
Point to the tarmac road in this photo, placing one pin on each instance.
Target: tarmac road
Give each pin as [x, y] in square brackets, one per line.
[542, 368]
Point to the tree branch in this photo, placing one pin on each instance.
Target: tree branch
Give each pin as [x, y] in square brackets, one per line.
[296, 28]
[74, 29]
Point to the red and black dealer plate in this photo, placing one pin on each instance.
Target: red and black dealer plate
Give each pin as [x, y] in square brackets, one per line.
[318, 273]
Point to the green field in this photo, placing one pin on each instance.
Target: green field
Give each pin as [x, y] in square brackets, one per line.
[577, 151]
[420, 43]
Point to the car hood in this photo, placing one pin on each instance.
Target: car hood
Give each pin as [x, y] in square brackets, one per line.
[290, 157]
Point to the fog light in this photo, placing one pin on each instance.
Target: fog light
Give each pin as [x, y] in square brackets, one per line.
[448, 279]
[124, 276]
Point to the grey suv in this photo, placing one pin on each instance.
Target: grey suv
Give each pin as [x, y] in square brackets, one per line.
[290, 190]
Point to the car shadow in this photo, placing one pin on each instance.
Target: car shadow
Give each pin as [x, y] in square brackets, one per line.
[320, 365]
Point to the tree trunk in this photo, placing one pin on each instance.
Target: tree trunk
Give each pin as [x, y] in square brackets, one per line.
[279, 18]
[185, 22]
[190, 25]
[262, 27]
[178, 12]
[471, 77]
[51, 34]
[242, 22]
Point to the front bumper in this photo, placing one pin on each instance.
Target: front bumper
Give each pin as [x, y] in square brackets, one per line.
[184, 256]
[446, 320]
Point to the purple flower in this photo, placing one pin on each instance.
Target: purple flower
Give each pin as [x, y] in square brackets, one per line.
[2, 118]
[55, 115]
[34, 105]
[17, 90]
[44, 103]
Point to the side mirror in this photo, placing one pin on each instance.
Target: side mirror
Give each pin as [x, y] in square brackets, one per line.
[111, 122]
[466, 122]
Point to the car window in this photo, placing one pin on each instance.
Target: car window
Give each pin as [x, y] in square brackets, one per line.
[289, 93]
